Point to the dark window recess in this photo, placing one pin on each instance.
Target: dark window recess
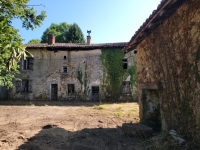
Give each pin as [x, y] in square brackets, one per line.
[24, 86]
[65, 57]
[71, 89]
[135, 51]
[27, 64]
[64, 69]
[125, 64]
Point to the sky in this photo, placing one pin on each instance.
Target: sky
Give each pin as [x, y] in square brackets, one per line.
[110, 21]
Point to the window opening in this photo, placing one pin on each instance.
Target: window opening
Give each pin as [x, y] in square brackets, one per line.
[64, 69]
[27, 64]
[24, 86]
[65, 57]
[125, 64]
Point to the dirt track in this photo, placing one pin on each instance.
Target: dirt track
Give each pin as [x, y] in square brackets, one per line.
[66, 126]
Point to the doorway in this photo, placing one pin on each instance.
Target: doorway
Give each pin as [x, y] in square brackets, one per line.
[95, 93]
[54, 91]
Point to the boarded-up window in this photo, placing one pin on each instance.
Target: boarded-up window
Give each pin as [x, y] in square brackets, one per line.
[24, 86]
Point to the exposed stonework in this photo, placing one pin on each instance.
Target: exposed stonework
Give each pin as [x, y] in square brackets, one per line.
[48, 70]
[162, 59]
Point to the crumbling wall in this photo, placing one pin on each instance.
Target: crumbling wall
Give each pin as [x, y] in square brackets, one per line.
[167, 62]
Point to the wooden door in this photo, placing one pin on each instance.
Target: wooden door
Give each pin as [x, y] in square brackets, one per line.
[95, 93]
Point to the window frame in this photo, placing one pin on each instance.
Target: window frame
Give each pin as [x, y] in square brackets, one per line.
[27, 64]
[25, 86]
[125, 63]
[63, 69]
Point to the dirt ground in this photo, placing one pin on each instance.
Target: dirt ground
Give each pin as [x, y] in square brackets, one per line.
[65, 125]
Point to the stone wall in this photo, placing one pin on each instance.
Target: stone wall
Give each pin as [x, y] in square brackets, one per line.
[166, 62]
[48, 70]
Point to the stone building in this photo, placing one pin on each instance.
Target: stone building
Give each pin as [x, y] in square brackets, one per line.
[61, 71]
[167, 46]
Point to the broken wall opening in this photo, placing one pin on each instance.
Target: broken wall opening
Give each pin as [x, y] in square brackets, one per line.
[151, 109]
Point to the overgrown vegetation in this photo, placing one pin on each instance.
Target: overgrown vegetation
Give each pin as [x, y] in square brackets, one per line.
[177, 54]
[113, 72]
[11, 46]
[84, 80]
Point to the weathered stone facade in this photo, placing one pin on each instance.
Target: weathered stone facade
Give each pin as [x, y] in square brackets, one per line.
[166, 63]
[61, 71]
[48, 70]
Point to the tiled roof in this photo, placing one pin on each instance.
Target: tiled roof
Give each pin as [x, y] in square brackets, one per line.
[163, 11]
[74, 46]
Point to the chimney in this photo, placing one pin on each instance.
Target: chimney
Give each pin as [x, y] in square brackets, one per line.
[89, 37]
[51, 39]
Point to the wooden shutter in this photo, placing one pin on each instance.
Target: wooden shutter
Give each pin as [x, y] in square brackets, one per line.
[30, 86]
[18, 86]
[31, 63]
[21, 64]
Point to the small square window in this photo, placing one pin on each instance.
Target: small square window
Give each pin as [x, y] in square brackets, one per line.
[65, 57]
[64, 69]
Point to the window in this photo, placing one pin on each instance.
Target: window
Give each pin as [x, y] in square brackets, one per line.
[27, 64]
[24, 86]
[71, 89]
[65, 57]
[125, 65]
[126, 87]
[64, 69]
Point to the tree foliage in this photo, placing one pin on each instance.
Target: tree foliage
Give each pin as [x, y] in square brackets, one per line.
[65, 33]
[11, 46]
[75, 34]
[34, 41]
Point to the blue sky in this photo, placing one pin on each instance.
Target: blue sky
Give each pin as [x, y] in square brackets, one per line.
[109, 20]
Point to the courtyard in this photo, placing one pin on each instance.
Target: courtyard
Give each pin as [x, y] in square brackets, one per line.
[66, 125]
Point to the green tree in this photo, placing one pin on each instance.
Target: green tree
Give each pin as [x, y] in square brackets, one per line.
[65, 33]
[34, 41]
[75, 34]
[11, 46]
[57, 30]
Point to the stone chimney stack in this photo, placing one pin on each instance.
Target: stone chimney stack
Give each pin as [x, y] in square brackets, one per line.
[89, 37]
[51, 39]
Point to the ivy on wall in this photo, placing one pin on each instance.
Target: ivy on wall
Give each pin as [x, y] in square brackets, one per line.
[173, 55]
[113, 72]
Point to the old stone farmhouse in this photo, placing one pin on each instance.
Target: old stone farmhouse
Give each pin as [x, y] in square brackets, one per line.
[168, 55]
[61, 71]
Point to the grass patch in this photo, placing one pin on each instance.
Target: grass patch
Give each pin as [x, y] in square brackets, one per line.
[100, 107]
[119, 109]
